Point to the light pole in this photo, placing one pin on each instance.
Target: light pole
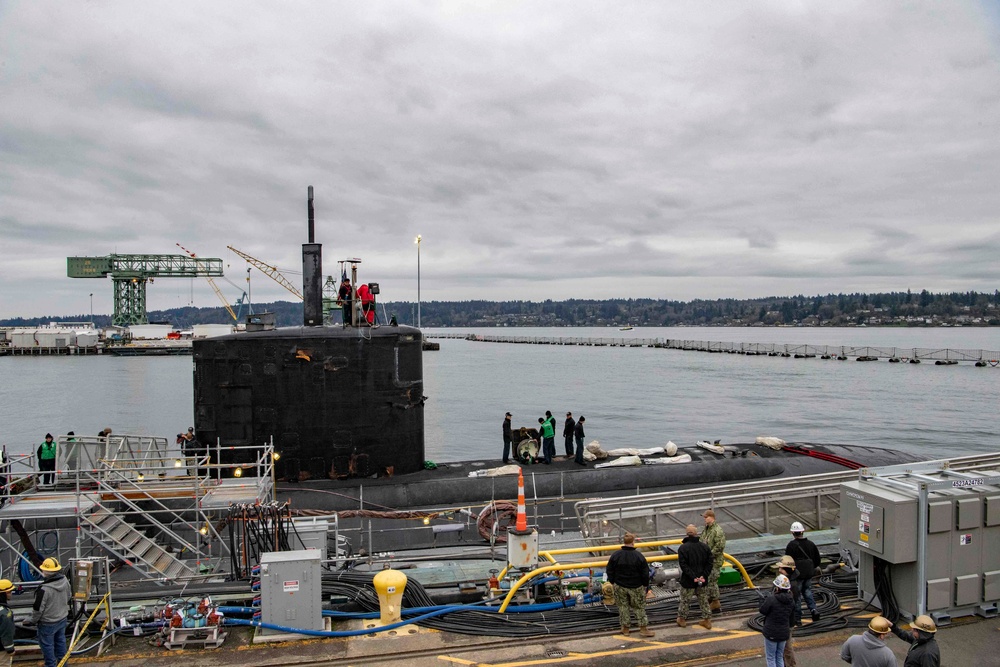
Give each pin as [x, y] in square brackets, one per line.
[91, 306]
[419, 238]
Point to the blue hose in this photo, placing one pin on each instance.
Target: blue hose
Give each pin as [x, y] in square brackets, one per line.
[24, 570]
[424, 613]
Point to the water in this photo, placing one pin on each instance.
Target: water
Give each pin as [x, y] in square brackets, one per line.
[630, 396]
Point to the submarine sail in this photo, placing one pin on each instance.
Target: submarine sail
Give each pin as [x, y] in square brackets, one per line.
[338, 400]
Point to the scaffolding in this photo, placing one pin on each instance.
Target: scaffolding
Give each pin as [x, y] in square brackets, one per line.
[135, 498]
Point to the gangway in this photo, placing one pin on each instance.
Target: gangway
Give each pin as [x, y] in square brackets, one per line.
[747, 509]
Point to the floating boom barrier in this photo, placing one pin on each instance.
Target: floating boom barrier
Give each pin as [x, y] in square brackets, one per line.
[938, 356]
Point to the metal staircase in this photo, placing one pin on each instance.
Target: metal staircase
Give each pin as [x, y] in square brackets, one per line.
[127, 542]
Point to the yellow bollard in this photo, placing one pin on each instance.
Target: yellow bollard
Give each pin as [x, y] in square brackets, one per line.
[389, 584]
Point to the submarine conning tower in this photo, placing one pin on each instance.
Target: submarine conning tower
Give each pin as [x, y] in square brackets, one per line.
[338, 400]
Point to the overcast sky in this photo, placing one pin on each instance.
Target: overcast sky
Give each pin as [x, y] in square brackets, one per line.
[542, 149]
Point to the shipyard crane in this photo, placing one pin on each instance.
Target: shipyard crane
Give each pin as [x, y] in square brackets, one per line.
[271, 272]
[130, 273]
[215, 288]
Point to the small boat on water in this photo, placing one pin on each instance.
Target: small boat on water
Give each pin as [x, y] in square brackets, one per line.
[624, 328]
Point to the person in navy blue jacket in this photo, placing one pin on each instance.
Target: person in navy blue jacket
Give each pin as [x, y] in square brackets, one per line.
[777, 611]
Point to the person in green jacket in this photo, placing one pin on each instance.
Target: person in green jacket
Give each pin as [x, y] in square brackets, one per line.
[715, 538]
[47, 460]
[547, 428]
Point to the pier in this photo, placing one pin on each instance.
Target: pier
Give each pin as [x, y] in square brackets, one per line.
[914, 355]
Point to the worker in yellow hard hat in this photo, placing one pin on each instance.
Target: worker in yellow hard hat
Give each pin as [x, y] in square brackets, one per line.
[869, 647]
[6, 618]
[51, 610]
[924, 649]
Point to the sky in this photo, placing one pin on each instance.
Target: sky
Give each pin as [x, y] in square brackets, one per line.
[542, 150]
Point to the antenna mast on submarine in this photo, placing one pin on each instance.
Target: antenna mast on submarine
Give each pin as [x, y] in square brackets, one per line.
[312, 274]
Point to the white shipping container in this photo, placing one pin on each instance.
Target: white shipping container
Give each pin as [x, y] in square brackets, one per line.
[212, 330]
[86, 338]
[22, 338]
[55, 337]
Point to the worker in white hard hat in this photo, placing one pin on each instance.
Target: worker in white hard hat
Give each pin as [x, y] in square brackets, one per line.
[786, 567]
[868, 649]
[807, 562]
[777, 611]
[924, 650]
[51, 610]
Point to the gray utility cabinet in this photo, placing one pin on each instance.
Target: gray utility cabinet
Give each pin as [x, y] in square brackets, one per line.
[291, 592]
[938, 529]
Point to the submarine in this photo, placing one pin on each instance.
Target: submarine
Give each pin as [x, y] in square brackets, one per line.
[344, 406]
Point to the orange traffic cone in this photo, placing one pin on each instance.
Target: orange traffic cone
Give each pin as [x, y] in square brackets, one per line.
[522, 514]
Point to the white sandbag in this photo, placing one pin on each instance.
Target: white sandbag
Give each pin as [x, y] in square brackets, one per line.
[770, 442]
[622, 462]
[715, 449]
[589, 455]
[500, 471]
[594, 447]
[632, 451]
[667, 460]
[671, 448]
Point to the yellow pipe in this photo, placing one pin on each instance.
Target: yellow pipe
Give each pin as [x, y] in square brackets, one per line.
[601, 563]
[548, 554]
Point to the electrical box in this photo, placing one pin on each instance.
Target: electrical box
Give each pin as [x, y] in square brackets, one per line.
[522, 550]
[312, 532]
[290, 590]
[947, 567]
[83, 579]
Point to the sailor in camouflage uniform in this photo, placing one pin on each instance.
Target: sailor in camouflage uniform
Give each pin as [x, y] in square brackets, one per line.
[715, 538]
[628, 572]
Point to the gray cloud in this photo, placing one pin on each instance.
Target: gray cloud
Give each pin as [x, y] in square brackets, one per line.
[543, 151]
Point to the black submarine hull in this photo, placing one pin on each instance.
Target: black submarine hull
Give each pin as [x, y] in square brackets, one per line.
[337, 401]
[450, 483]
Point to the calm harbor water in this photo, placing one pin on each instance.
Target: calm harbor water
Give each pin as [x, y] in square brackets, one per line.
[630, 396]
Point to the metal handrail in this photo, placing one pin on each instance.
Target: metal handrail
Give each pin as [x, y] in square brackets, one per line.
[118, 492]
[770, 491]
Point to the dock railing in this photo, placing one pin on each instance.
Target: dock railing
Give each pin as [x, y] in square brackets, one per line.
[747, 509]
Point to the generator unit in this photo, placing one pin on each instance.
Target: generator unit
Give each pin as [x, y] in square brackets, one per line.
[291, 590]
[929, 533]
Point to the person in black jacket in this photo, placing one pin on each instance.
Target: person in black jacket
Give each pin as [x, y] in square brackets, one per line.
[924, 650]
[695, 560]
[807, 559]
[628, 572]
[579, 435]
[777, 611]
[786, 566]
[506, 438]
[568, 428]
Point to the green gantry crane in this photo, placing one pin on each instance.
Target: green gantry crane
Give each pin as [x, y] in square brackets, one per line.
[130, 273]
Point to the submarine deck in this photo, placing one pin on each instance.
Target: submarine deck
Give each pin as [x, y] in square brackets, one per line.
[450, 483]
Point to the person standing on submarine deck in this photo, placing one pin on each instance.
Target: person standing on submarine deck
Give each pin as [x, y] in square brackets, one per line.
[506, 439]
[345, 298]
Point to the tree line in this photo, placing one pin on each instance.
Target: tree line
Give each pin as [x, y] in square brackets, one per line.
[880, 309]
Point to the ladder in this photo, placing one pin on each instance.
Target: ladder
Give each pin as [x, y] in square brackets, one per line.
[127, 542]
